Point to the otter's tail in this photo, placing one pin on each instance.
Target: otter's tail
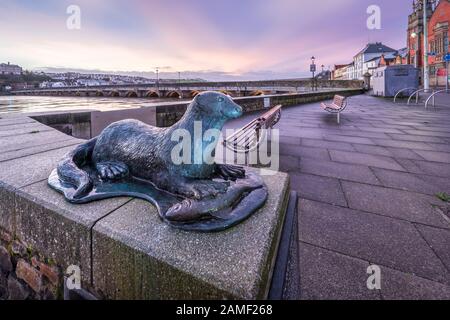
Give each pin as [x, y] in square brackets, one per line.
[69, 168]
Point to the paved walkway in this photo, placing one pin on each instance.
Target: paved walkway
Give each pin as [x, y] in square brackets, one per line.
[366, 193]
[367, 196]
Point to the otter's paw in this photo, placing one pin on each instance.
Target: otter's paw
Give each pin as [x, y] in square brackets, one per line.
[230, 172]
[201, 189]
[112, 170]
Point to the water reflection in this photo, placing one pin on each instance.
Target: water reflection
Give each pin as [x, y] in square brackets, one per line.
[27, 104]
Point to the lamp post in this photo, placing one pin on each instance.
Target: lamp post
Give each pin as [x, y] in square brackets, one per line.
[414, 36]
[426, 75]
[313, 71]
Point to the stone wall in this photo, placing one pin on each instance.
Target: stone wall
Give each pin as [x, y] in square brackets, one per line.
[85, 125]
[169, 114]
[25, 274]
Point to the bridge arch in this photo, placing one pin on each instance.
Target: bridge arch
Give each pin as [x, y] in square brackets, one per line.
[174, 94]
[228, 93]
[193, 93]
[132, 94]
[152, 94]
[99, 94]
[114, 94]
[257, 93]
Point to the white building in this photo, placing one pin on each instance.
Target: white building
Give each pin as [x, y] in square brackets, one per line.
[349, 72]
[7, 68]
[369, 53]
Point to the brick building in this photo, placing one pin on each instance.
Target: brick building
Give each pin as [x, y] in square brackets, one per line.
[415, 35]
[438, 18]
[438, 39]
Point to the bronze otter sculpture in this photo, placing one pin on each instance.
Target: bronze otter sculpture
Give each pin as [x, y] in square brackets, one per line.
[132, 158]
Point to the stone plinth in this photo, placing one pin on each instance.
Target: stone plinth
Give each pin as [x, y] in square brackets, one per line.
[137, 256]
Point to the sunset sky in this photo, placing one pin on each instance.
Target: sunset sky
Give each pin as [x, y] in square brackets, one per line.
[215, 38]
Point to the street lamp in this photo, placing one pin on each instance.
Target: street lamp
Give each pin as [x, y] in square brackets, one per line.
[313, 70]
[414, 35]
[426, 75]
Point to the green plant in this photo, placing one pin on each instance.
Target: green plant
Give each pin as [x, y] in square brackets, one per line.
[443, 196]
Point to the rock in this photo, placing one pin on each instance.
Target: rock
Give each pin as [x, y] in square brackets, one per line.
[50, 272]
[5, 236]
[30, 275]
[18, 249]
[17, 291]
[5, 260]
[3, 287]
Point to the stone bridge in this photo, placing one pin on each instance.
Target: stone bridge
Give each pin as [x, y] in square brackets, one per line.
[189, 90]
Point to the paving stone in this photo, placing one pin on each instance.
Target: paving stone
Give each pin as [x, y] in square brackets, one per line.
[338, 170]
[326, 275]
[347, 139]
[403, 153]
[365, 159]
[412, 182]
[327, 144]
[433, 168]
[5, 156]
[304, 152]
[31, 139]
[302, 133]
[289, 163]
[11, 131]
[403, 144]
[289, 140]
[318, 188]
[439, 240]
[387, 129]
[429, 133]
[409, 137]
[365, 148]
[380, 240]
[396, 285]
[349, 131]
[393, 203]
[434, 156]
[409, 165]
[31, 169]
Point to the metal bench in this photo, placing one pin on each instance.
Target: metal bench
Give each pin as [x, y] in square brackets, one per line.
[337, 106]
[249, 137]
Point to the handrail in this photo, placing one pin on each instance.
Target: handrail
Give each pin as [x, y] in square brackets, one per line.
[251, 132]
[246, 149]
[416, 93]
[404, 89]
[432, 96]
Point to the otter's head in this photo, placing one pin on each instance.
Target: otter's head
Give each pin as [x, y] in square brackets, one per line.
[217, 104]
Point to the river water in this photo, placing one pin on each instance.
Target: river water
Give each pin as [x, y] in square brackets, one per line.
[27, 104]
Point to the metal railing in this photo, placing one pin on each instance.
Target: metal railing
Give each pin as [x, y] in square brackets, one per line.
[416, 93]
[433, 95]
[402, 90]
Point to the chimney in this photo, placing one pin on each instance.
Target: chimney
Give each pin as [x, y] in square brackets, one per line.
[8, 63]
